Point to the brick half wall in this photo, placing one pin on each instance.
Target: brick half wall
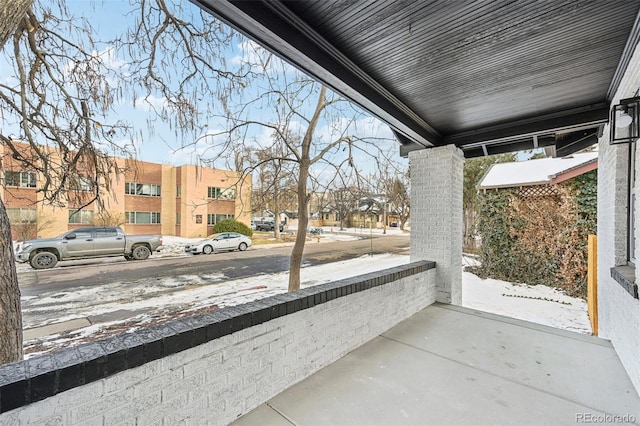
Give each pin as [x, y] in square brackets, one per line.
[212, 368]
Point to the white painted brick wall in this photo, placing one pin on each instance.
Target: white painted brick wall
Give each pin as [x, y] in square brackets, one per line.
[436, 216]
[618, 311]
[216, 382]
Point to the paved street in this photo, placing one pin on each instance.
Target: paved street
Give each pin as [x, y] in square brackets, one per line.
[100, 291]
[261, 259]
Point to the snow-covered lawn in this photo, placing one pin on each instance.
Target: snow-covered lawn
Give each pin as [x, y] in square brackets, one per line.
[161, 300]
[539, 304]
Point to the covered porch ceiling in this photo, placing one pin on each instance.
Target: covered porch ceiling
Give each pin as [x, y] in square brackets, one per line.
[487, 76]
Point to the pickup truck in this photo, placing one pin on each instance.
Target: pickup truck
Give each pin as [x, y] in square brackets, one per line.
[83, 243]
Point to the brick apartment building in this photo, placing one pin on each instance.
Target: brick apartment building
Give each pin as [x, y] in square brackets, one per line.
[147, 198]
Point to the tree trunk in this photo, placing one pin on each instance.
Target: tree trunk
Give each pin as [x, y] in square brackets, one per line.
[276, 212]
[11, 13]
[10, 312]
[303, 223]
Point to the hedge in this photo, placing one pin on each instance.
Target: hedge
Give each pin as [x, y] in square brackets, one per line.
[539, 239]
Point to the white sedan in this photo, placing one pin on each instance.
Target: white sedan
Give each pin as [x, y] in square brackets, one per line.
[224, 241]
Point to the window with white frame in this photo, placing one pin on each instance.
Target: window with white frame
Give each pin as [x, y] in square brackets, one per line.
[84, 217]
[142, 218]
[20, 179]
[213, 218]
[148, 189]
[221, 193]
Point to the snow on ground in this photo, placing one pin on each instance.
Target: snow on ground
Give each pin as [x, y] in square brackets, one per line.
[157, 300]
[539, 304]
[196, 291]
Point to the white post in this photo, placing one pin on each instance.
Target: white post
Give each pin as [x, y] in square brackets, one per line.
[436, 216]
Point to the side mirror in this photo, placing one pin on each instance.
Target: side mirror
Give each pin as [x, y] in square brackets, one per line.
[70, 237]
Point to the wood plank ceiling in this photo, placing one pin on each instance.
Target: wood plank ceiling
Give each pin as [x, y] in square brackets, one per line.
[487, 76]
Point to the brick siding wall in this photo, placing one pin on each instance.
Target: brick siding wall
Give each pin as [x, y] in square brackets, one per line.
[618, 310]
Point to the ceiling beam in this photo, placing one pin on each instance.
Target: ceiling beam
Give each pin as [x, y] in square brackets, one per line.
[273, 26]
[575, 119]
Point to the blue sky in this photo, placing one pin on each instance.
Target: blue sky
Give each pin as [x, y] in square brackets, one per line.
[159, 142]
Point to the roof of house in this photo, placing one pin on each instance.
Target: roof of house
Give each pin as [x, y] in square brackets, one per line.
[538, 172]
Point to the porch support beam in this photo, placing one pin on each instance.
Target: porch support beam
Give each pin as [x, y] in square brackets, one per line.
[436, 216]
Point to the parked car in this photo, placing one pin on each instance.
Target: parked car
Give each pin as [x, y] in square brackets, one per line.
[224, 241]
[267, 225]
[83, 243]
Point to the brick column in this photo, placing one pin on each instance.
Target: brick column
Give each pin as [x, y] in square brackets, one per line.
[436, 216]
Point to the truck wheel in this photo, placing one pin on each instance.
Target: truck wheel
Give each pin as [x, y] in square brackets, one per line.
[140, 252]
[207, 249]
[242, 246]
[44, 260]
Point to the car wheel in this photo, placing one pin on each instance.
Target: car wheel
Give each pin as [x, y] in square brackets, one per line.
[140, 252]
[44, 260]
[207, 249]
[242, 246]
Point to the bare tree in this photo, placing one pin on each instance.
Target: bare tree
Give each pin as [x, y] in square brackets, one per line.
[12, 13]
[109, 218]
[275, 184]
[63, 91]
[312, 126]
[345, 202]
[395, 185]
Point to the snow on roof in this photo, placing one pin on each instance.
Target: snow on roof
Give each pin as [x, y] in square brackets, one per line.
[533, 172]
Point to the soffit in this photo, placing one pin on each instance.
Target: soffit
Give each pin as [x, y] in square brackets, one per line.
[487, 76]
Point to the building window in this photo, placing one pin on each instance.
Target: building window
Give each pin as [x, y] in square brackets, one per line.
[21, 179]
[21, 215]
[221, 193]
[81, 184]
[84, 217]
[198, 218]
[178, 191]
[178, 219]
[213, 218]
[148, 189]
[142, 218]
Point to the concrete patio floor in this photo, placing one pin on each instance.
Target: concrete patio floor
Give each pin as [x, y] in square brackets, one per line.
[453, 365]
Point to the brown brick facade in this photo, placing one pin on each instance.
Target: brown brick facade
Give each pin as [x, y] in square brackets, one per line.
[182, 213]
